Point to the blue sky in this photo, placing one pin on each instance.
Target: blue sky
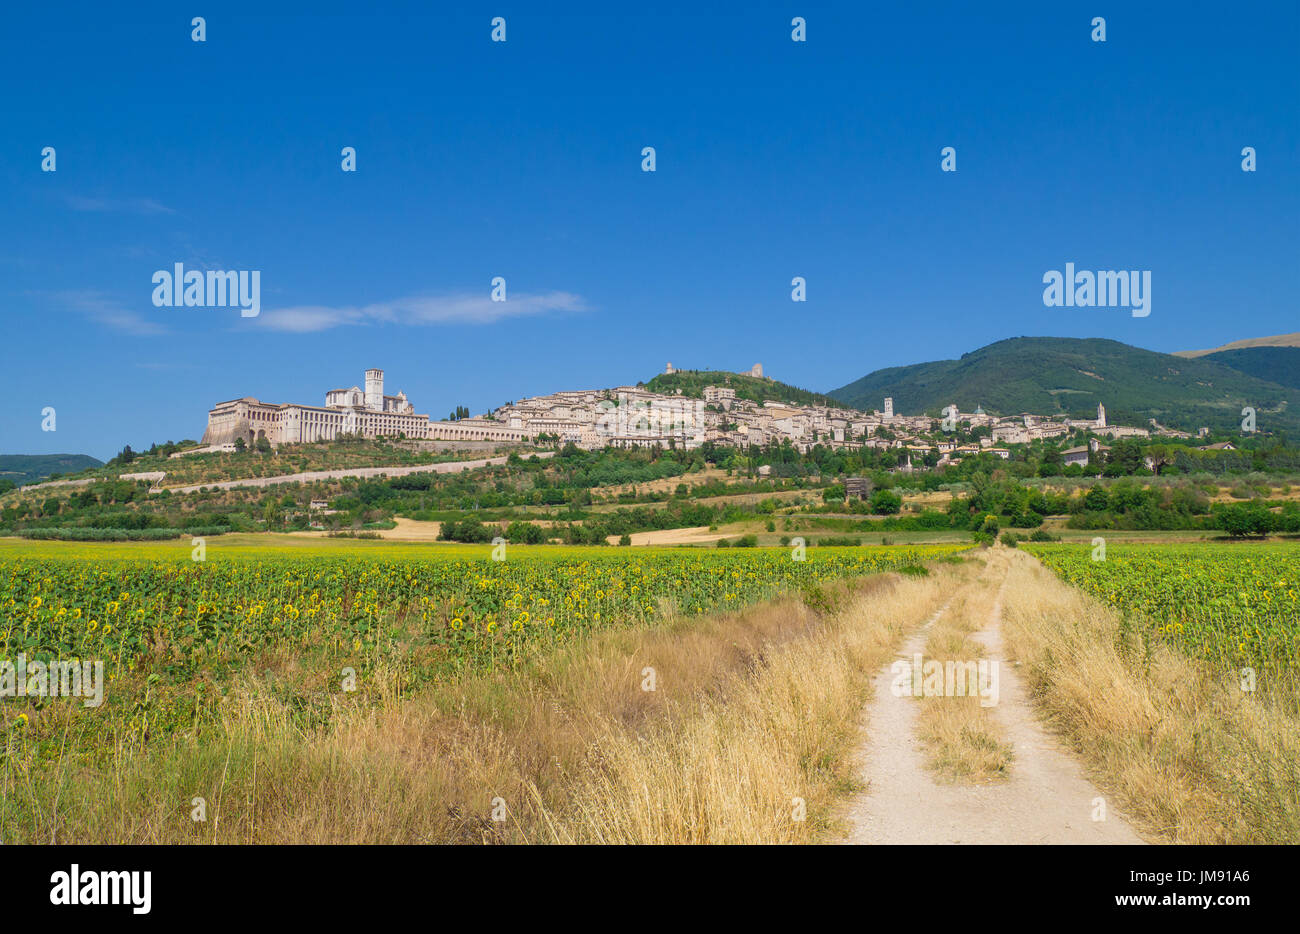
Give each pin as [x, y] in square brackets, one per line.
[522, 159]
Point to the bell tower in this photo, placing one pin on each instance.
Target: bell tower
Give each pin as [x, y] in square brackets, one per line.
[375, 390]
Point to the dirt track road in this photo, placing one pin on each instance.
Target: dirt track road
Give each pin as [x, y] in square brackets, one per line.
[1046, 798]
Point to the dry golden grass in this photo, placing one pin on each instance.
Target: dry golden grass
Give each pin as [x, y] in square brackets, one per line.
[964, 741]
[1187, 753]
[750, 711]
[766, 761]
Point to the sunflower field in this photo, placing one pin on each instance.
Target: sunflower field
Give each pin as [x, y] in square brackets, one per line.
[1231, 605]
[175, 634]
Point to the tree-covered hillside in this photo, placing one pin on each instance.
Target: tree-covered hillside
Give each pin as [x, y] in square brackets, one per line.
[1070, 376]
[1279, 365]
[756, 389]
[28, 468]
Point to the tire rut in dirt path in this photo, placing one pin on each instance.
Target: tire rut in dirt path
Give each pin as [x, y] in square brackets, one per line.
[1046, 799]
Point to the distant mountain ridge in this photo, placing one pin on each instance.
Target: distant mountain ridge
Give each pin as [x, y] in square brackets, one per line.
[1070, 376]
[28, 468]
[1277, 340]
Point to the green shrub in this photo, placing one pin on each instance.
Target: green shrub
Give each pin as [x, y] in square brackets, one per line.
[80, 534]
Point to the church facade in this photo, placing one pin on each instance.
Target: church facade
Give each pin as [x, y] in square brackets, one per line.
[367, 413]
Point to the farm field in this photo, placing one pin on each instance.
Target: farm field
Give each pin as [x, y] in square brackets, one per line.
[379, 673]
[175, 634]
[233, 673]
[1170, 670]
[1228, 605]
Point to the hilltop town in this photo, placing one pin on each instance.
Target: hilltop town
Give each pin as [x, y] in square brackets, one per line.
[634, 416]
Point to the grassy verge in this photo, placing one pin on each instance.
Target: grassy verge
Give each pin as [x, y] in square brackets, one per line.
[1189, 754]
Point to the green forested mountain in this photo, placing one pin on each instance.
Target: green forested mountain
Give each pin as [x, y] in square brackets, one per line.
[28, 468]
[1070, 376]
[1279, 365]
[757, 389]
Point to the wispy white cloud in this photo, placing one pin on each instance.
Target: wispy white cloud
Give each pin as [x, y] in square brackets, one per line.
[462, 308]
[117, 205]
[109, 312]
